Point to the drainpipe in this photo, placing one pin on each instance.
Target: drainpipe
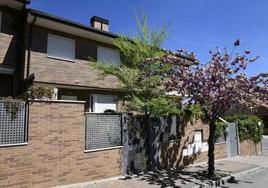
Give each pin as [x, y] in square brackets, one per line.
[30, 47]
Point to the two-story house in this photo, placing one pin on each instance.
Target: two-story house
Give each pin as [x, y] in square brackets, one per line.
[57, 51]
[60, 51]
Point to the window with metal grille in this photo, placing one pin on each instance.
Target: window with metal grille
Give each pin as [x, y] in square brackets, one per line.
[12, 124]
[103, 131]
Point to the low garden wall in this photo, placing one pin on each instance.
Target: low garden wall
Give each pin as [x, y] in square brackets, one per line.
[249, 147]
[55, 152]
[166, 151]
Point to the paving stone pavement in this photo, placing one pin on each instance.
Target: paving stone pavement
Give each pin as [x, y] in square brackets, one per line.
[184, 178]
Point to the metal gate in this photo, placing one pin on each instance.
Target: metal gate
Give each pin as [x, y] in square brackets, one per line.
[233, 140]
[103, 130]
[107, 131]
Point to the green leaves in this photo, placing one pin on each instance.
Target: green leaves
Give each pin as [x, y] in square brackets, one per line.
[143, 90]
[249, 127]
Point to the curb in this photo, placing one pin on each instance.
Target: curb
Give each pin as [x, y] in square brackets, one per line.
[78, 185]
[225, 180]
[217, 160]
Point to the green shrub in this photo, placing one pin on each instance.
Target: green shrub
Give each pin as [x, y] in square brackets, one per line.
[248, 126]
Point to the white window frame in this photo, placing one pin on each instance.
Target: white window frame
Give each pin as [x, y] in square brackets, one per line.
[0, 22]
[109, 49]
[93, 98]
[61, 58]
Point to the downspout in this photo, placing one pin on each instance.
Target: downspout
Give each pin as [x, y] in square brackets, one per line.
[30, 47]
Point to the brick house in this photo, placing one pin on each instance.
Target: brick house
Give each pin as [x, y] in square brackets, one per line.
[59, 143]
[57, 52]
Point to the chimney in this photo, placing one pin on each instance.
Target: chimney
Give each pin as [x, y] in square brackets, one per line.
[99, 23]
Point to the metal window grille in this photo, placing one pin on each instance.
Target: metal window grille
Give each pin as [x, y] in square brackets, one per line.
[103, 131]
[12, 128]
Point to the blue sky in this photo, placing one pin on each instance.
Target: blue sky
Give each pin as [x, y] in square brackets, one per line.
[196, 25]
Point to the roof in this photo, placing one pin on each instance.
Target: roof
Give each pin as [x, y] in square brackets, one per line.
[71, 23]
[24, 1]
[61, 20]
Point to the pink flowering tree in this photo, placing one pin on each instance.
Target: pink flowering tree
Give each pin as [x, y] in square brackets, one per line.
[216, 86]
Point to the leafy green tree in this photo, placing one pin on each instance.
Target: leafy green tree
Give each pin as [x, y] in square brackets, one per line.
[143, 90]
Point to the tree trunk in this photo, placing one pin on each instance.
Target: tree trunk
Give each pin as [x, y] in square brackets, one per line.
[211, 142]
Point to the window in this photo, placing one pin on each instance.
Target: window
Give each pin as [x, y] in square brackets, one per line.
[61, 48]
[101, 103]
[108, 55]
[13, 128]
[0, 21]
[103, 131]
[69, 97]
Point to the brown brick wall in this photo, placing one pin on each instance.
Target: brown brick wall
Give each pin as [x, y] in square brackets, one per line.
[8, 37]
[248, 147]
[64, 72]
[171, 153]
[55, 151]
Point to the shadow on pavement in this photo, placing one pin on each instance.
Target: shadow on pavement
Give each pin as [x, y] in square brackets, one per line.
[175, 178]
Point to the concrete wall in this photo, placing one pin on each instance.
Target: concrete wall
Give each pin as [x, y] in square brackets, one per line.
[55, 153]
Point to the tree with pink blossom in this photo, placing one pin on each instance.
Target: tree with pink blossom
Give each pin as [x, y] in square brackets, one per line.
[216, 86]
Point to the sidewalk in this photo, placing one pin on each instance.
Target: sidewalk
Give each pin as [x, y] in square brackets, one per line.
[186, 178]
